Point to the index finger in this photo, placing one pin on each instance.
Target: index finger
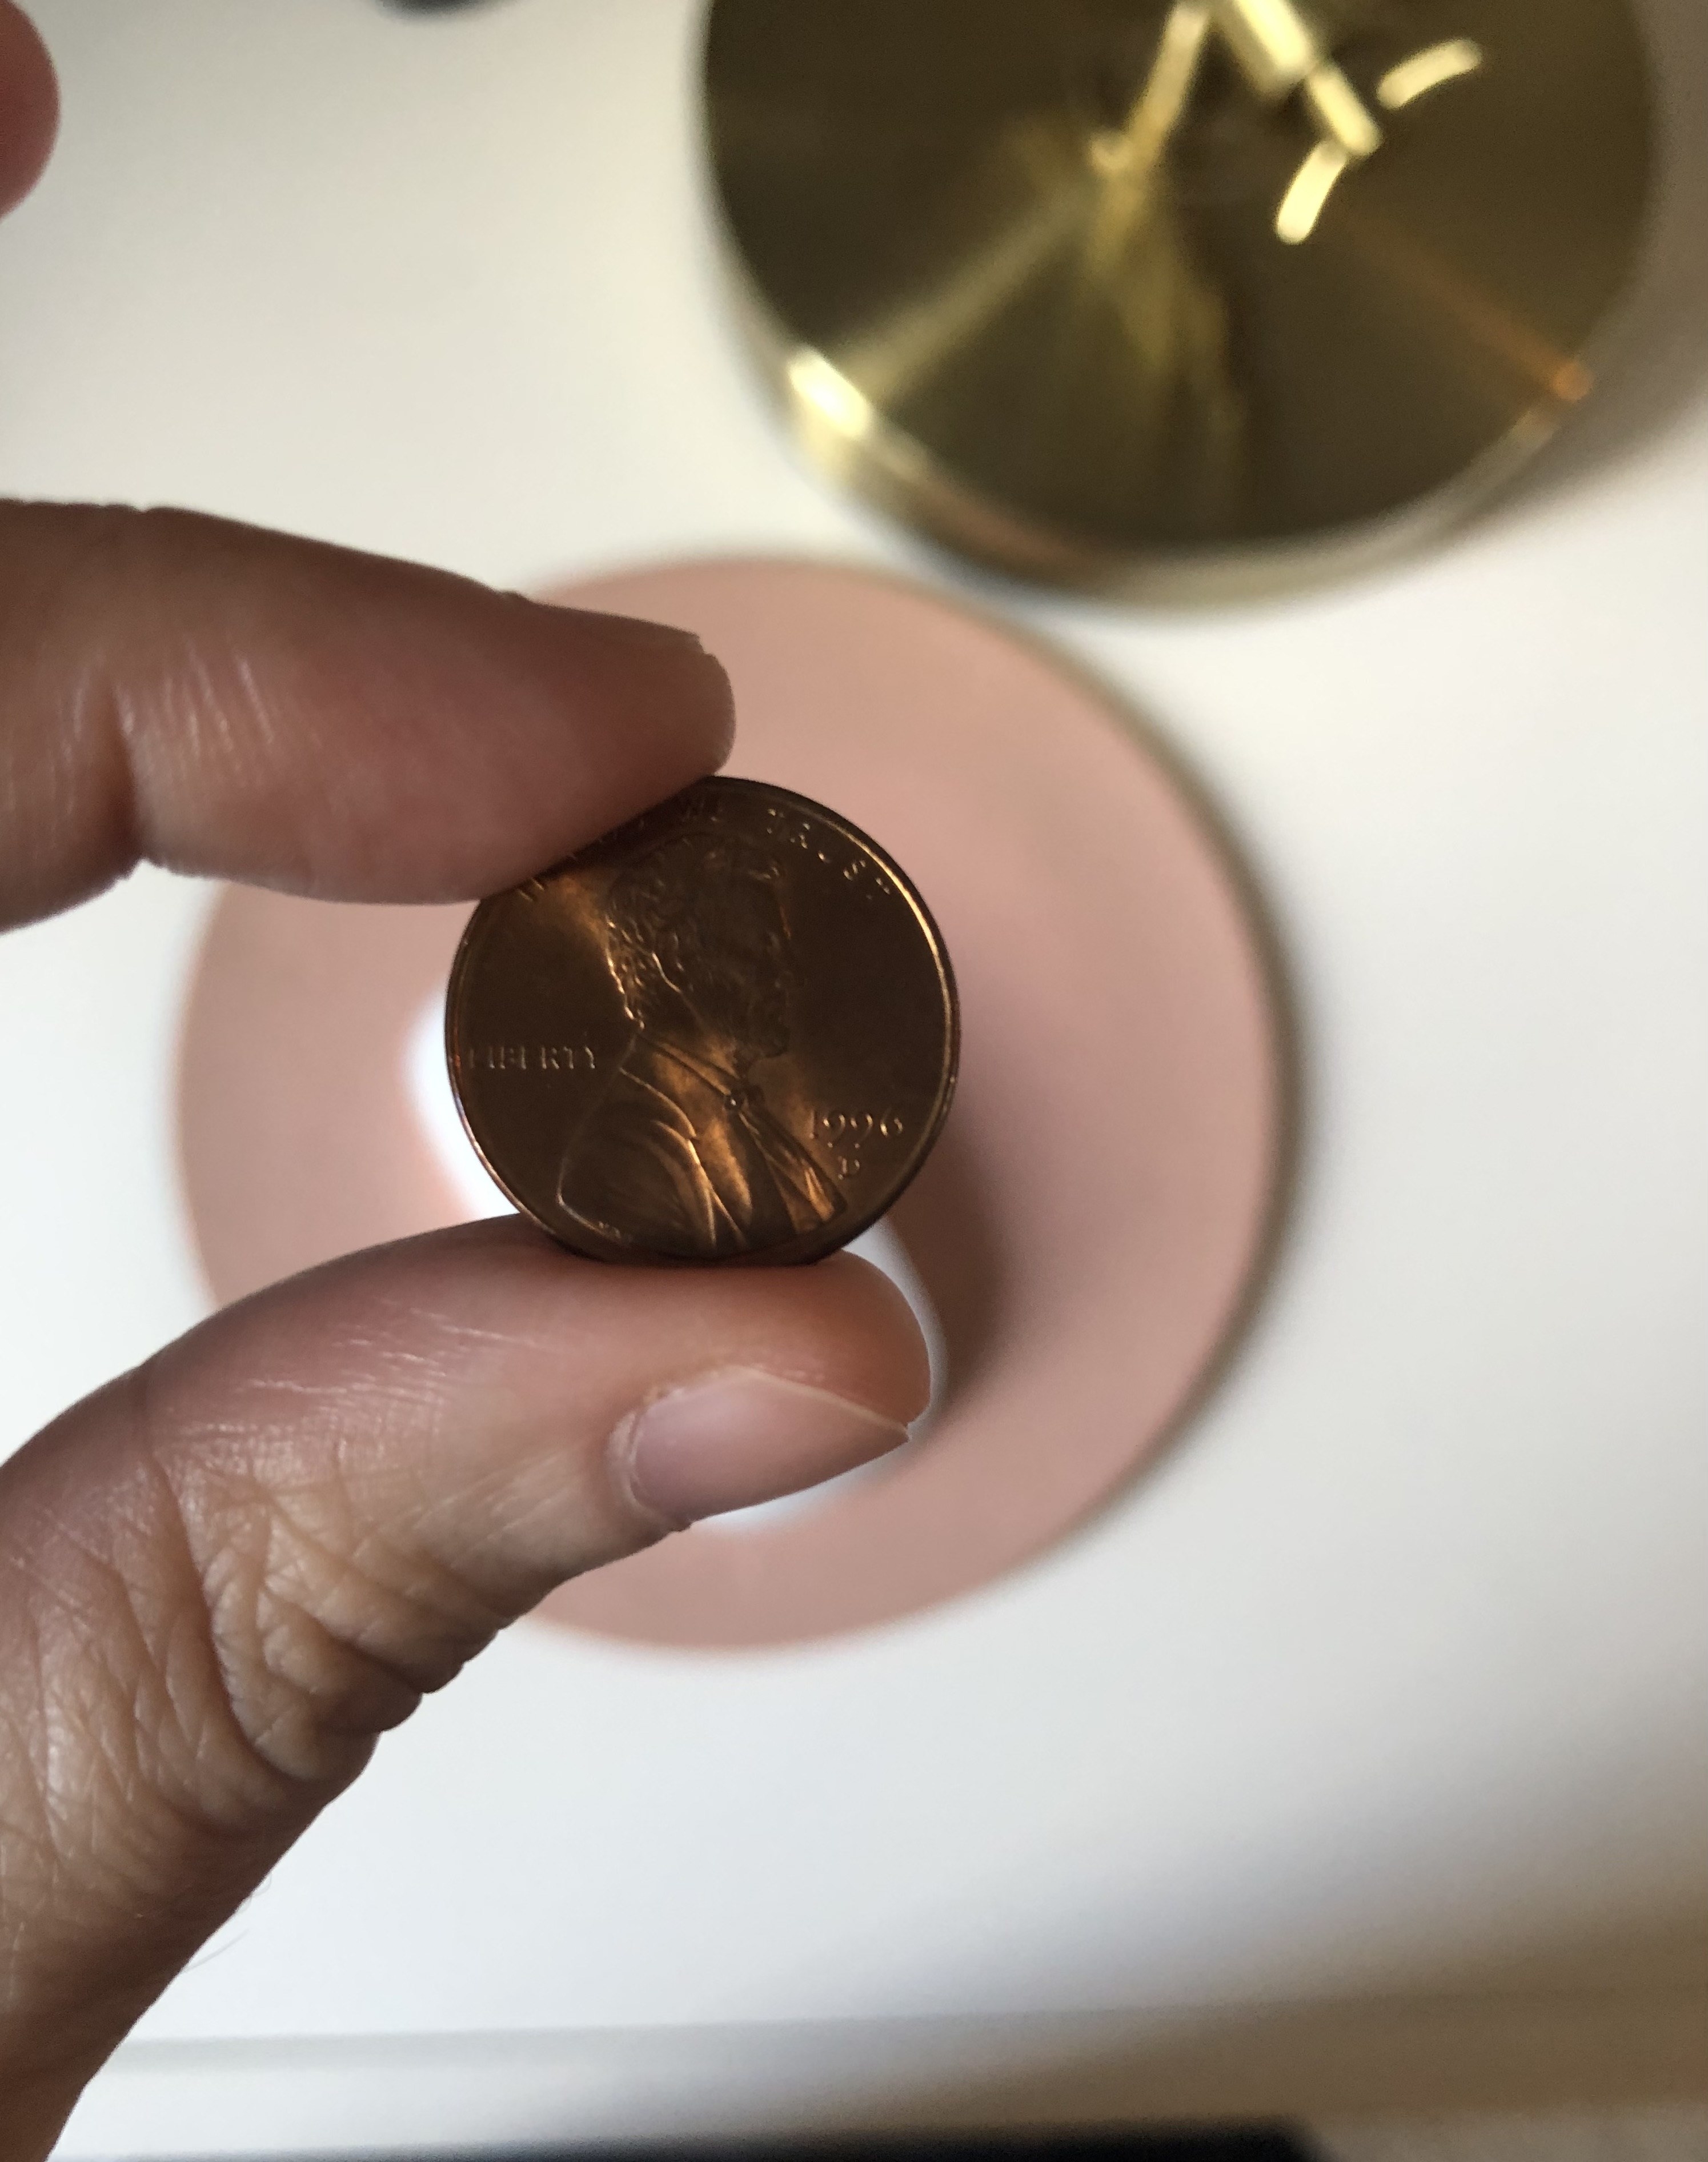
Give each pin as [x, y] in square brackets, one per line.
[216, 698]
[29, 104]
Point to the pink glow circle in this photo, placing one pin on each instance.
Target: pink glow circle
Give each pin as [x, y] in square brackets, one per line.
[1090, 1223]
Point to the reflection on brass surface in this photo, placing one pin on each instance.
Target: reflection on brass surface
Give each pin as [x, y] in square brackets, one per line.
[1130, 293]
[727, 1032]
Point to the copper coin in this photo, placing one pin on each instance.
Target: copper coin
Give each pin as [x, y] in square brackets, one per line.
[726, 1033]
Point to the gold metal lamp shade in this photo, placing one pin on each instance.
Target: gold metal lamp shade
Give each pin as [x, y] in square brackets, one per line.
[1155, 295]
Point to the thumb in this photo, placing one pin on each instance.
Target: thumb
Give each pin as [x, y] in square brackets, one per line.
[224, 1575]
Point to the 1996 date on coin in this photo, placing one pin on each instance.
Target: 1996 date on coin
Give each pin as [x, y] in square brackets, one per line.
[726, 1033]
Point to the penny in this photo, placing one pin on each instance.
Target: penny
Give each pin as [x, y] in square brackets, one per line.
[725, 1032]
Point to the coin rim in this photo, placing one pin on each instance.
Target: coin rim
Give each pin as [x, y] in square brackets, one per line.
[807, 1246]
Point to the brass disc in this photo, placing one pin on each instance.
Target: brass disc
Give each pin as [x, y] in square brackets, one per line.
[1152, 294]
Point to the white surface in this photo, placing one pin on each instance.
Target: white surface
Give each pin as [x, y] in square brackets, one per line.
[1393, 1674]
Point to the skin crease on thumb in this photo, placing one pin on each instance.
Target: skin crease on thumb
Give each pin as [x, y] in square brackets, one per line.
[237, 1566]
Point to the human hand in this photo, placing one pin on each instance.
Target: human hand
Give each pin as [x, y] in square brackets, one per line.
[225, 1573]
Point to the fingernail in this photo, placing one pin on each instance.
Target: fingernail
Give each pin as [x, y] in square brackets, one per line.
[635, 630]
[738, 1437]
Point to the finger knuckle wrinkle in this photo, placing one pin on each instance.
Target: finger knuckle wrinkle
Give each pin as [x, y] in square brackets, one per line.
[322, 1630]
[155, 710]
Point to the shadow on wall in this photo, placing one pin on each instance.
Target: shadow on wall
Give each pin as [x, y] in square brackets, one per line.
[1593, 2022]
[1258, 2144]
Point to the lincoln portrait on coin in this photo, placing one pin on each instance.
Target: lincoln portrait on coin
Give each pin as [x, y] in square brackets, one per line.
[681, 1154]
